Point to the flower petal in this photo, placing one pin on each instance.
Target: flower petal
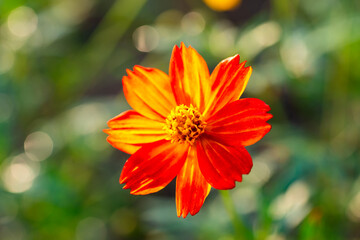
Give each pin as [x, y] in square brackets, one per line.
[228, 82]
[242, 122]
[191, 187]
[129, 130]
[148, 91]
[222, 165]
[152, 167]
[189, 76]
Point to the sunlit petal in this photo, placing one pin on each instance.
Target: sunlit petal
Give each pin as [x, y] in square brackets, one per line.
[191, 187]
[240, 123]
[129, 130]
[189, 77]
[222, 165]
[152, 167]
[228, 82]
[148, 92]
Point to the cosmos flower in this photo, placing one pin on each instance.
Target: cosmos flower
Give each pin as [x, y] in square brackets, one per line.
[190, 125]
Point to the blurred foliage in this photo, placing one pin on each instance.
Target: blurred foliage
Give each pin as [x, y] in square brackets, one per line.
[61, 63]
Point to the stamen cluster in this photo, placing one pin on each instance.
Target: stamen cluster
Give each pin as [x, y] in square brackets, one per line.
[184, 124]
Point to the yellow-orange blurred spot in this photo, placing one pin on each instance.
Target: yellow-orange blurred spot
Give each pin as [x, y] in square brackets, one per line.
[222, 5]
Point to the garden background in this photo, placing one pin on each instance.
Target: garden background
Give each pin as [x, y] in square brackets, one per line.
[61, 64]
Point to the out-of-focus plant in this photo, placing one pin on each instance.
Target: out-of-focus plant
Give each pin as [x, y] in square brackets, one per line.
[61, 64]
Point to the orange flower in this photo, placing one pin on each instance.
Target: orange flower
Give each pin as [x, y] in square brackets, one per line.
[222, 5]
[190, 125]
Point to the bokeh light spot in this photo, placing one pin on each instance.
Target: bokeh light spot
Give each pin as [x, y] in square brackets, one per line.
[260, 173]
[296, 56]
[18, 177]
[259, 38]
[222, 39]
[21, 172]
[354, 208]
[293, 205]
[168, 24]
[38, 146]
[193, 23]
[86, 119]
[22, 22]
[246, 199]
[18, 174]
[146, 38]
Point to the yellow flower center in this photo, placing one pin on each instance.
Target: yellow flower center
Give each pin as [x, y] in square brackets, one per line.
[184, 124]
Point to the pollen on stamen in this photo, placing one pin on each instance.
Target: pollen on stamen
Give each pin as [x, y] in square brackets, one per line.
[184, 124]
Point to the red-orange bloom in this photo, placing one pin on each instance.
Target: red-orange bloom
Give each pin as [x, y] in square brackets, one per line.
[190, 125]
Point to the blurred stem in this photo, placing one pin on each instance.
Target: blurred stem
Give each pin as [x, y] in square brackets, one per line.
[241, 232]
[334, 124]
[97, 51]
[111, 29]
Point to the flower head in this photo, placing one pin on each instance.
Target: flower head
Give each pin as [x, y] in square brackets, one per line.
[189, 124]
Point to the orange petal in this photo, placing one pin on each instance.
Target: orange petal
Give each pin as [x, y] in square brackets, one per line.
[152, 167]
[129, 131]
[148, 92]
[228, 82]
[242, 122]
[222, 165]
[189, 76]
[191, 187]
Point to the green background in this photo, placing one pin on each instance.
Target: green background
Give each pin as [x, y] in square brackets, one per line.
[61, 64]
